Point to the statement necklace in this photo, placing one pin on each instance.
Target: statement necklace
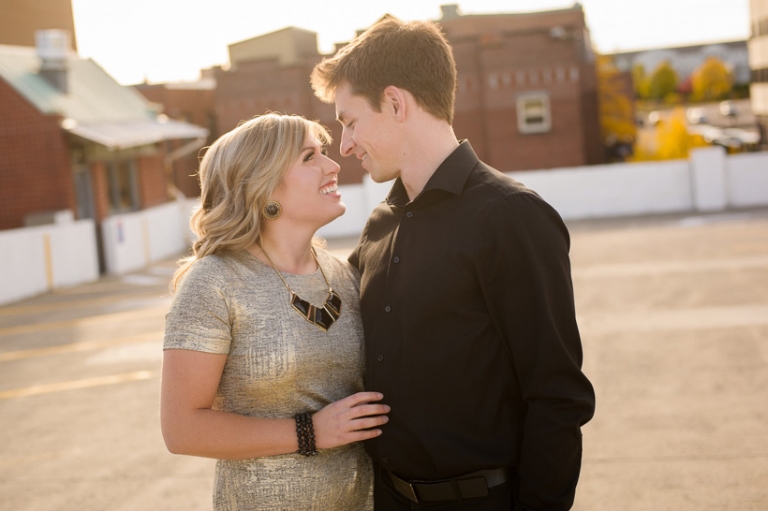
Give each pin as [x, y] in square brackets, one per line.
[322, 317]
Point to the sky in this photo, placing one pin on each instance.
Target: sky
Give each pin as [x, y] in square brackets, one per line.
[171, 40]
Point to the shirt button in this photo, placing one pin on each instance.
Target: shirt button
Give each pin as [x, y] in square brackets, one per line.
[409, 214]
[385, 460]
[380, 358]
[387, 309]
[396, 259]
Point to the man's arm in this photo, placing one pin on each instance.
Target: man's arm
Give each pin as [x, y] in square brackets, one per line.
[525, 274]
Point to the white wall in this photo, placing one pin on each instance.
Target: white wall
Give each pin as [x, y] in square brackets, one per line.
[613, 190]
[135, 240]
[747, 179]
[34, 260]
[708, 181]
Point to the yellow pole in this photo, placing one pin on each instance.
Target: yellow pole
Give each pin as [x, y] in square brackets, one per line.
[145, 232]
[48, 260]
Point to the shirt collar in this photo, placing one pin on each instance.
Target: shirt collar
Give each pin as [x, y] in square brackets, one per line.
[450, 176]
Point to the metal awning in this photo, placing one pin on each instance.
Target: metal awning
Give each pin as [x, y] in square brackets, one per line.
[125, 134]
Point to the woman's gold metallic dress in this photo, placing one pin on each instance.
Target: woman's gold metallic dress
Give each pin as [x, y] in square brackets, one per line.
[278, 365]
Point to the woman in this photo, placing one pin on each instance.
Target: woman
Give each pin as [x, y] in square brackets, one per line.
[263, 356]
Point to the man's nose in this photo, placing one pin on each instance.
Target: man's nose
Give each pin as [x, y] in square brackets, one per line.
[347, 144]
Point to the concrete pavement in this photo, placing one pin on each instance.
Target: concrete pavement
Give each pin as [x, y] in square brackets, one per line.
[674, 317]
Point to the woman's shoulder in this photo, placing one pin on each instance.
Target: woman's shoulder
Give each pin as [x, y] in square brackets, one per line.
[216, 269]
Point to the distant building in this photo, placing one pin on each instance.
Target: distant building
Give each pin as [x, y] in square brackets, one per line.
[758, 54]
[686, 59]
[527, 87]
[270, 73]
[189, 102]
[19, 19]
[72, 138]
[526, 97]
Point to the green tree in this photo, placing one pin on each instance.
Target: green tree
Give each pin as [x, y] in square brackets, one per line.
[712, 80]
[663, 81]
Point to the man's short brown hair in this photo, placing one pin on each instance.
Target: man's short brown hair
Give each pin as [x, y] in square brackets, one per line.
[414, 56]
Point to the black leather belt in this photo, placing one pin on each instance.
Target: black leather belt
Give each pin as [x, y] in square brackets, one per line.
[468, 486]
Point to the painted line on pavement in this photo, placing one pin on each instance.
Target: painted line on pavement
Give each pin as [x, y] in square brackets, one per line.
[36, 390]
[77, 347]
[665, 267]
[655, 320]
[87, 321]
[15, 310]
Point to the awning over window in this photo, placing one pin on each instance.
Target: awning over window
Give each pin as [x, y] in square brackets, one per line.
[125, 134]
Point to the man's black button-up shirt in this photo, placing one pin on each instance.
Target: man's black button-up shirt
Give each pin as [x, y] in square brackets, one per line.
[471, 333]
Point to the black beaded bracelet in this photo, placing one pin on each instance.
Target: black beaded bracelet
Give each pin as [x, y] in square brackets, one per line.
[305, 432]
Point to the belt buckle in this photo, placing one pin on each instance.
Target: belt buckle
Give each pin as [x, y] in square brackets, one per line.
[404, 488]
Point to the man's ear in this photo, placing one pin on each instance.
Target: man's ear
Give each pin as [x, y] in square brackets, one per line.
[394, 101]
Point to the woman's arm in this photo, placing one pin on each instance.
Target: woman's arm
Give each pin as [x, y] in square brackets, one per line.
[191, 427]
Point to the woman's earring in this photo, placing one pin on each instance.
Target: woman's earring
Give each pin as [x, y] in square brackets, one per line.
[272, 210]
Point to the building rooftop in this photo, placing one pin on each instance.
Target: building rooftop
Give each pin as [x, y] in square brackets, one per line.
[94, 105]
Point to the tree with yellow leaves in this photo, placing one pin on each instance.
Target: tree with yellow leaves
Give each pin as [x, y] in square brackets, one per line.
[663, 81]
[670, 139]
[640, 81]
[712, 80]
[617, 113]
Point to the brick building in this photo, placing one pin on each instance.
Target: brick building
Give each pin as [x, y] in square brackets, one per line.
[19, 19]
[527, 87]
[526, 96]
[74, 139]
[190, 102]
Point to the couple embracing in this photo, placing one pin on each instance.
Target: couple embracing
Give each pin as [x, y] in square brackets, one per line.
[439, 367]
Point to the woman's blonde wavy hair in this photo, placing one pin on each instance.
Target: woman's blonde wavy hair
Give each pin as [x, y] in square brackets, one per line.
[238, 174]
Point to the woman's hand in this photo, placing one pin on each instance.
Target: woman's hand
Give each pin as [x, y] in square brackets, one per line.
[348, 420]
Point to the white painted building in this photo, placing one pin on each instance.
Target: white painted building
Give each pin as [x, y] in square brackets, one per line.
[686, 59]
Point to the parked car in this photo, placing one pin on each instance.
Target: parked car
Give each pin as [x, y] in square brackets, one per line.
[728, 109]
[696, 115]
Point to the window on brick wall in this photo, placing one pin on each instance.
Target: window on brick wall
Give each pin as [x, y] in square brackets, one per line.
[123, 186]
[533, 113]
[84, 191]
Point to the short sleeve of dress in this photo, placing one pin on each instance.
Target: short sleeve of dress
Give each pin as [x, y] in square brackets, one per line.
[199, 318]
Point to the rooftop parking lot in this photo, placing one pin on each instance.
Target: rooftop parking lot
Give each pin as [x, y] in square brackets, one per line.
[674, 319]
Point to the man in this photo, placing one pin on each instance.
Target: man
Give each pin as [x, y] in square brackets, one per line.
[466, 294]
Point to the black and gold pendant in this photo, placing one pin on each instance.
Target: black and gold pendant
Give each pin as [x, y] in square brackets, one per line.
[322, 317]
